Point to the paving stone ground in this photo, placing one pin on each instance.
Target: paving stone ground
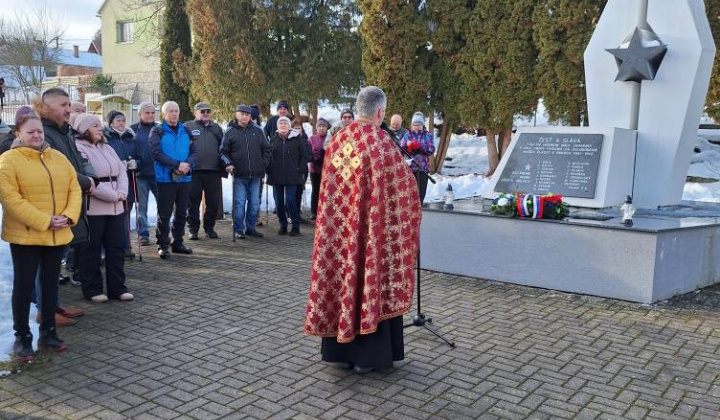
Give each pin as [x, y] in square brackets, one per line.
[219, 335]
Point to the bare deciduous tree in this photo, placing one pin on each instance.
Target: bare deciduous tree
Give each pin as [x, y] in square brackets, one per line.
[30, 46]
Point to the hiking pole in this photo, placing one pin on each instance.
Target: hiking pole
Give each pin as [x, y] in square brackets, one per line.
[137, 213]
[232, 194]
[127, 219]
[267, 206]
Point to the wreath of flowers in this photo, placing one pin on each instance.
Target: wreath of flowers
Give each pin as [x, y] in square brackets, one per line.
[529, 206]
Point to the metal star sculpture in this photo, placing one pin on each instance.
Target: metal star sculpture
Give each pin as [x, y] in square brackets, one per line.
[637, 62]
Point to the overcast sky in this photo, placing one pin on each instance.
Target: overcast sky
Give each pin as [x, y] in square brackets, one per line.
[79, 17]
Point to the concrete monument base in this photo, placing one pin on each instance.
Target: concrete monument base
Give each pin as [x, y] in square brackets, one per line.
[661, 256]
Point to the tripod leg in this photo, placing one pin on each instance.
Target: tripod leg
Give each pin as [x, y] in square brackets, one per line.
[436, 334]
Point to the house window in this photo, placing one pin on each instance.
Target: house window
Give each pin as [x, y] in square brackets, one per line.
[124, 32]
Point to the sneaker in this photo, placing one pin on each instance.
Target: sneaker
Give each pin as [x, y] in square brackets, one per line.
[282, 231]
[181, 249]
[23, 349]
[144, 241]
[295, 231]
[253, 234]
[125, 297]
[239, 235]
[99, 298]
[60, 320]
[70, 312]
[49, 341]
[193, 236]
[211, 234]
[164, 253]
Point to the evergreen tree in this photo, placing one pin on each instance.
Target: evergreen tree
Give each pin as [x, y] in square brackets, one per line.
[175, 45]
[713, 99]
[496, 68]
[224, 69]
[562, 31]
[449, 20]
[395, 37]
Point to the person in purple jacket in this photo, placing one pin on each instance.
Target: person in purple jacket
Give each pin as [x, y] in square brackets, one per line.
[418, 142]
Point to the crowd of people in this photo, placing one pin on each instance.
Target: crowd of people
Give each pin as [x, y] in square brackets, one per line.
[68, 183]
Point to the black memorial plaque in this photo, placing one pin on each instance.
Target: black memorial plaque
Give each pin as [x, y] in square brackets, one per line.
[559, 163]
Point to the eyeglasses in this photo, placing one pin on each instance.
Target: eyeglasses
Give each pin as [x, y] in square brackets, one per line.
[204, 111]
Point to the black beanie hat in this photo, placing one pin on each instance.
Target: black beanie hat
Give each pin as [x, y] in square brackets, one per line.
[256, 111]
[112, 115]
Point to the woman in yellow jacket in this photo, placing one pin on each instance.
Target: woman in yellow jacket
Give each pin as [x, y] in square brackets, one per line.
[41, 200]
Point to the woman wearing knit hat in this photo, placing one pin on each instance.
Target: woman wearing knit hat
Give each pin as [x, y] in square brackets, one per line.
[122, 139]
[285, 173]
[106, 215]
[419, 143]
[317, 145]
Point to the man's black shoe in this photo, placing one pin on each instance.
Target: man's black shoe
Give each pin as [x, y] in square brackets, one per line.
[193, 236]
[282, 231]
[253, 234]
[211, 234]
[164, 253]
[181, 249]
[295, 231]
[144, 241]
[239, 235]
[362, 370]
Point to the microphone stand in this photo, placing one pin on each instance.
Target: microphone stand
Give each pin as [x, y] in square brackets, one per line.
[419, 320]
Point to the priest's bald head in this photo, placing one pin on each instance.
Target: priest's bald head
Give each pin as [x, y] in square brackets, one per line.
[371, 103]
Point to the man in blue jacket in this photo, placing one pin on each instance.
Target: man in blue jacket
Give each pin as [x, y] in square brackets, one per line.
[145, 172]
[174, 154]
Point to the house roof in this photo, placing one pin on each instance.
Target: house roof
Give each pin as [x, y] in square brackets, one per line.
[84, 59]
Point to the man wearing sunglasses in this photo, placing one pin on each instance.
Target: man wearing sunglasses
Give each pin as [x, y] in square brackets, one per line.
[207, 136]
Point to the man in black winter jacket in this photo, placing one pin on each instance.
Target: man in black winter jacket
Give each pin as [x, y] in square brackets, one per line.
[207, 136]
[145, 172]
[245, 152]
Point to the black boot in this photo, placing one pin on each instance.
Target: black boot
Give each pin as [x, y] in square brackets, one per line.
[49, 341]
[23, 348]
[282, 231]
[164, 253]
[181, 249]
[295, 231]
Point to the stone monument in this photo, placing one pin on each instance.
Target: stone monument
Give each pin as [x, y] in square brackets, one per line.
[648, 67]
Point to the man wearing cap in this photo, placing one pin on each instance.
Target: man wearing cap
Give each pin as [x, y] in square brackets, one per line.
[145, 172]
[245, 152]
[174, 154]
[283, 110]
[207, 136]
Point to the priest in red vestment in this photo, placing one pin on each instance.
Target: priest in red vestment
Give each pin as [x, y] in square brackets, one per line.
[366, 244]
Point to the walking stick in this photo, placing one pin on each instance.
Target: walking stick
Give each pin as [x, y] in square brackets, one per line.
[232, 194]
[267, 206]
[127, 219]
[137, 215]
